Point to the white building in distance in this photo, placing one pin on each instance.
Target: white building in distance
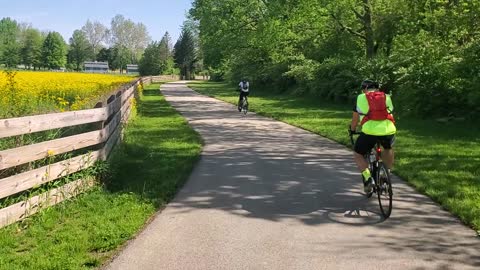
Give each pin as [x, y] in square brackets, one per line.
[96, 67]
[131, 69]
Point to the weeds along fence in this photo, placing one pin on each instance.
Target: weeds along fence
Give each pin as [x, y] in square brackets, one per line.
[88, 136]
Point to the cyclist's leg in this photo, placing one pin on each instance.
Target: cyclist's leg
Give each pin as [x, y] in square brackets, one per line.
[388, 155]
[388, 158]
[363, 145]
[362, 164]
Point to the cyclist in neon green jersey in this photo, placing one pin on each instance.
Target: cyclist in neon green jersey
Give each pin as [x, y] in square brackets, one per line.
[373, 112]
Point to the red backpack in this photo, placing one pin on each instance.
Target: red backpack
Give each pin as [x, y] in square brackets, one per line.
[377, 104]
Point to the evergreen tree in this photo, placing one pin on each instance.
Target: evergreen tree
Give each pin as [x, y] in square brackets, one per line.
[54, 51]
[80, 49]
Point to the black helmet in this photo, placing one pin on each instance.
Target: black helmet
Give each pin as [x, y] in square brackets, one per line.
[370, 84]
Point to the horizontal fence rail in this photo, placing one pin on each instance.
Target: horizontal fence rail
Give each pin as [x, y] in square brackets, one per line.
[107, 119]
[24, 181]
[37, 123]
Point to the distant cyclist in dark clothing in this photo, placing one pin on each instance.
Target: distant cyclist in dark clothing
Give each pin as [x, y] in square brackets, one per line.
[244, 86]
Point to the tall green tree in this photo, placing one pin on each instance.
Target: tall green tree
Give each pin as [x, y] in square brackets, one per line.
[166, 54]
[9, 45]
[120, 57]
[165, 47]
[104, 55]
[31, 50]
[80, 49]
[157, 58]
[54, 51]
[151, 63]
[184, 54]
[167, 40]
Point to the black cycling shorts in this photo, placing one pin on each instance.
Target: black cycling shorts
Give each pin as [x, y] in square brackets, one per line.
[244, 94]
[365, 143]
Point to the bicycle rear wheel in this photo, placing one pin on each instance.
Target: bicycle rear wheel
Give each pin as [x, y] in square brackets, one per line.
[384, 190]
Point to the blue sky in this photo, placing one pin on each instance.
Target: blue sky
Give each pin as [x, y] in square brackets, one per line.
[65, 16]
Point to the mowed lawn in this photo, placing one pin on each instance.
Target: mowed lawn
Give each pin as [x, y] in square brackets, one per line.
[441, 160]
[158, 154]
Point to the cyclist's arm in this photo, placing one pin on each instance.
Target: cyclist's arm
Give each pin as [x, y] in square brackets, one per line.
[355, 120]
[389, 104]
[355, 117]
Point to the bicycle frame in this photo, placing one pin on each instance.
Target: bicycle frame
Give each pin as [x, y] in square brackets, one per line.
[373, 158]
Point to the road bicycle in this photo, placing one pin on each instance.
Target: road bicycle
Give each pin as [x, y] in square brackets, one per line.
[382, 184]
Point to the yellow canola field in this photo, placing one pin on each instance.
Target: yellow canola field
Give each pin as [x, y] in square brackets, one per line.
[28, 93]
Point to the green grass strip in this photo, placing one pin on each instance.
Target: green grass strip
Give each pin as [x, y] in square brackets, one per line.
[442, 160]
[158, 154]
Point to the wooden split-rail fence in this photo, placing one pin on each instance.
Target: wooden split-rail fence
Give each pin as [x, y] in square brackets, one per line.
[108, 119]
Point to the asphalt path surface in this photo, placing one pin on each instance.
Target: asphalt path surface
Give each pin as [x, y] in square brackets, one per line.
[267, 195]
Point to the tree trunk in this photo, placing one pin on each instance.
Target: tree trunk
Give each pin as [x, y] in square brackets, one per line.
[369, 37]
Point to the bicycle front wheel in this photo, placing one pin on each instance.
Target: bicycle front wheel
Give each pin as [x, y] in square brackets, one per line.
[384, 190]
[245, 107]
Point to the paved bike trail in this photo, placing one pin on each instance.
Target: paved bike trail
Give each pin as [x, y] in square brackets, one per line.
[266, 195]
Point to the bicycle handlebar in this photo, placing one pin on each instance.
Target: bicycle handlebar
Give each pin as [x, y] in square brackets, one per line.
[351, 133]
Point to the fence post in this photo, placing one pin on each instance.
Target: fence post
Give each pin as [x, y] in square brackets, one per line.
[112, 111]
[99, 125]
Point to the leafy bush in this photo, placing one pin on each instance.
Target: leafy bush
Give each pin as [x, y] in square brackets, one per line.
[468, 71]
[422, 77]
[333, 79]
